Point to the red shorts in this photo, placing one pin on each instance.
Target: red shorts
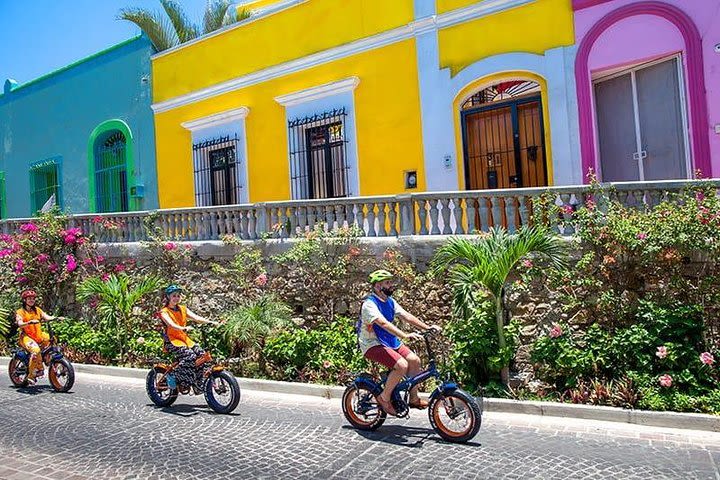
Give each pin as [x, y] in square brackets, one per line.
[387, 356]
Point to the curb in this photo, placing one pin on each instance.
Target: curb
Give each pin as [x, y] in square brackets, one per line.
[687, 421]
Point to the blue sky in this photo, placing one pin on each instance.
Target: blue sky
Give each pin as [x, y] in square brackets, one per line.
[38, 36]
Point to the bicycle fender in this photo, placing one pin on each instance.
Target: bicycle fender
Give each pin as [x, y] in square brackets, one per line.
[444, 389]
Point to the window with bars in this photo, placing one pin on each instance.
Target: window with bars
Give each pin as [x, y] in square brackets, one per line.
[3, 211]
[111, 191]
[217, 171]
[318, 156]
[45, 185]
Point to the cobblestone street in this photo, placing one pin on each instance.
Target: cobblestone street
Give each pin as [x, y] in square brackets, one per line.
[107, 429]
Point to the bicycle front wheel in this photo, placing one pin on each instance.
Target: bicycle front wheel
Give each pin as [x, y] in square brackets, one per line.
[456, 416]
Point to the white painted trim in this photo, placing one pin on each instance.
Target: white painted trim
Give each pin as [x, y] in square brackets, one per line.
[389, 37]
[216, 119]
[316, 93]
[256, 15]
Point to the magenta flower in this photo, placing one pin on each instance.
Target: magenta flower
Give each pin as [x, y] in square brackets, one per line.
[6, 252]
[29, 227]
[19, 266]
[5, 238]
[527, 263]
[43, 257]
[261, 280]
[99, 259]
[699, 196]
[665, 381]
[642, 236]
[53, 267]
[662, 352]
[22, 279]
[707, 358]
[105, 277]
[119, 267]
[567, 209]
[87, 261]
[71, 263]
[556, 331]
[169, 246]
[69, 239]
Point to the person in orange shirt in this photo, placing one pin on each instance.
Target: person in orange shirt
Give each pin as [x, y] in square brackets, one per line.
[32, 338]
[177, 341]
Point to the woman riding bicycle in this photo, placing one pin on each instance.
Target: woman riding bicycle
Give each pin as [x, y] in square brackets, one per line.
[32, 338]
[177, 341]
[379, 342]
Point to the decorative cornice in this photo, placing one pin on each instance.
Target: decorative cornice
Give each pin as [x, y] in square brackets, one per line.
[389, 37]
[321, 91]
[217, 119]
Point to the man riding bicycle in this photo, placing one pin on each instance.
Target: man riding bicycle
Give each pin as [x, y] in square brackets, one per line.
[379, 338]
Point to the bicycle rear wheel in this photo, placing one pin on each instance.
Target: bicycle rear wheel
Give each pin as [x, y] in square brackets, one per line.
[361, 409]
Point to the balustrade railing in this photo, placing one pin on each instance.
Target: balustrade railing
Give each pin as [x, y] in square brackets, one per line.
[430, 213]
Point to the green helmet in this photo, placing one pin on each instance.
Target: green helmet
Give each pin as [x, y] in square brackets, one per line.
[172, 289]
[379, 276]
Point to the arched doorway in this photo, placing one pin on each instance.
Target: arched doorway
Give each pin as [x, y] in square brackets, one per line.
[504, 137]
[110, 162]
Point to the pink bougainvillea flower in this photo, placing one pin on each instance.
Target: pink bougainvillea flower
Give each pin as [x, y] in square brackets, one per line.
[556, 331]
[69, 239]
[5, 238]
[99, 259]
[71, 263]
[6, 252]
[662, 352]
[567, 209]
[29, 227]
[527, 263]
[43, 257]
[169, 246]
[665, 380]
[707, 358]
[119, 267]
[53, 267]
[87, 261]
[642, 236]
[261, 280]
[19, 266]
[97, 219]
[699, 196]
[22, 279]
[105, 277]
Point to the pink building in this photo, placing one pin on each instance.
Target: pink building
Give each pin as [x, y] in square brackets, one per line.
[648, 86]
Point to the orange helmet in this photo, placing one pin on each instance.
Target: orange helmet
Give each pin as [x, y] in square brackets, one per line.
[28, 294]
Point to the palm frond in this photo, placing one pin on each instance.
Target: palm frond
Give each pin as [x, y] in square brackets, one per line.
[249, 324]
[156, 26]
[5, 320]
[184, 28]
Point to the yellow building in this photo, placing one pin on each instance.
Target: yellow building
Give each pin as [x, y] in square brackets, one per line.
[332, 98]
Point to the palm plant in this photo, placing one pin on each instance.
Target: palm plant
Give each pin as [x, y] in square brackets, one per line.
[250, 324]
[172, 28]
[117, 297]
[485, 264]
[5, 321]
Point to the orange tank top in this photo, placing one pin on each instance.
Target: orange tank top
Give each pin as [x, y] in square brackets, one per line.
[33, 331]
[177, 337]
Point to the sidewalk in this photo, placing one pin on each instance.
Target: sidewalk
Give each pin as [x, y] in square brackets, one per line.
[690, 421]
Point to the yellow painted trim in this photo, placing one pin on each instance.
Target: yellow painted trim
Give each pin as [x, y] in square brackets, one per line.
[485, 82]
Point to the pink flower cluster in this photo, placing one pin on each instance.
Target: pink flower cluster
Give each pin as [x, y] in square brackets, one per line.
[70, 263]
[665, 381]
[662, 352]
[72, 236]
[642, 236]
[261, 280]
[527, 263]
[29, 228]
[707, 358]
[170, 246]
[556, 331]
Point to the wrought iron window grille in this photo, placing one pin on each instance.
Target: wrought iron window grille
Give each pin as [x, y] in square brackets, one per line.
[216, 166]
[45, 184]
[318, 155]
[111, 189]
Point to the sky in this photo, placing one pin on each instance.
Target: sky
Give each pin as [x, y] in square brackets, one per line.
[39, 36]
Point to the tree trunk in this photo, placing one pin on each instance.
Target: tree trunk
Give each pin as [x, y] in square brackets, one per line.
[500, 319]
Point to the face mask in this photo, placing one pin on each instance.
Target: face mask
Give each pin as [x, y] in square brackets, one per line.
[388, 291]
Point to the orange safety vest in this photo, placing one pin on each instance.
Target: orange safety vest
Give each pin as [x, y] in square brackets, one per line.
[33, 331]
[177, 337]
